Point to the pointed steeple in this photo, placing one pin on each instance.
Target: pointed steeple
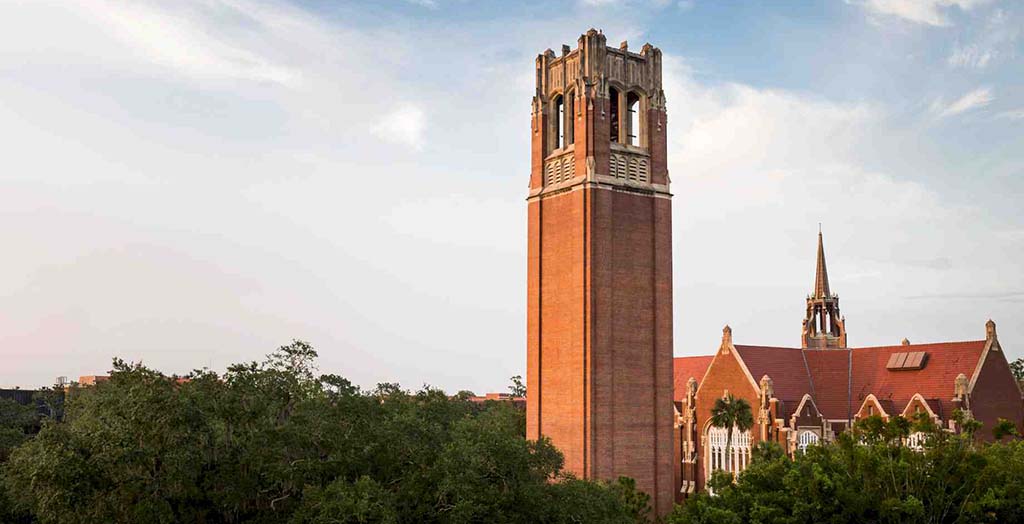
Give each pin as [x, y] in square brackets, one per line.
[821, 289]
[823, 327]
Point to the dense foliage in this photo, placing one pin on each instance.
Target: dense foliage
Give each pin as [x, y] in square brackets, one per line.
[1017, 368]
[872, 476]
[272, 442]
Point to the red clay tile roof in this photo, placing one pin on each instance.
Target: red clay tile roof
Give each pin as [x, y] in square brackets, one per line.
[685, 367]
[827, 374]
[934, 382]
[785, 366]
[830, 376]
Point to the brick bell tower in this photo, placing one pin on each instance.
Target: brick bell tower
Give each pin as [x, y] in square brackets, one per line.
[599, 285]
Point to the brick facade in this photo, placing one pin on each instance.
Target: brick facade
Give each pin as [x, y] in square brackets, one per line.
[801, 396]
[599, 290]
[601, 380]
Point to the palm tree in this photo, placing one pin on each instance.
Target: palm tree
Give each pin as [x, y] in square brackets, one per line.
[730, 412]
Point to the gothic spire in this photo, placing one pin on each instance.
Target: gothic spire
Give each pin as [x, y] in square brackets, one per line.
[821, 275]
[824, 327]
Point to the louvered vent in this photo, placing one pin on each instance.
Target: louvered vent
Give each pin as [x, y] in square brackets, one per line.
[558, 170]
[629, 167]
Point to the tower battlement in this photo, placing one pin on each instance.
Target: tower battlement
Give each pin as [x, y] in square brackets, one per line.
[594, 65]
[598, 117]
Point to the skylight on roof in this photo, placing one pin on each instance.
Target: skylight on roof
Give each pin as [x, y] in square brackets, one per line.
[907, 361]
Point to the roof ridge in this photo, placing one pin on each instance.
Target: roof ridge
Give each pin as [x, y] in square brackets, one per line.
[951, 342]
[764, 347]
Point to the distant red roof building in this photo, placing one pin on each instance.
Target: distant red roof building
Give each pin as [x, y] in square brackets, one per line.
[802, 396]
[92, 380]
[519, 402]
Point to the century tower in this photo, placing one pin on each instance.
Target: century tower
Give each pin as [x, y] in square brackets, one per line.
[599, 290]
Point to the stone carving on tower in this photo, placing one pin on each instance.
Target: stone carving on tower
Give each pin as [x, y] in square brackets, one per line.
[824, 327]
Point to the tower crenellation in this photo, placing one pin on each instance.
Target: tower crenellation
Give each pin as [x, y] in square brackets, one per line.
[599, 111]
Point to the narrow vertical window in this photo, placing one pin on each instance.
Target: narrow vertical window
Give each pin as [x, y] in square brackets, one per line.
[570, 118]
[559, 122]
[633, 112]
[613, 114]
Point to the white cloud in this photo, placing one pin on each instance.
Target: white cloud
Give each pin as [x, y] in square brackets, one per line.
[754, 170]
[404, 125]
[431, 4]
[181, 39]
[1015, 114]
[227, 196]
[978, 98]
[927, 12]
[970, 56]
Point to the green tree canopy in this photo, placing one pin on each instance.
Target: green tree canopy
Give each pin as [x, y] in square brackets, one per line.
[866, 477]
[731, 413]
[273, 442]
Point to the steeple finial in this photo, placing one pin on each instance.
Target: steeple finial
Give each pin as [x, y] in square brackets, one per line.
[821, 289]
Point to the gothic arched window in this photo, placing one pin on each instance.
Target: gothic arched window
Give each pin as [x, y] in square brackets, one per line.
[806, 438]
[733, 460]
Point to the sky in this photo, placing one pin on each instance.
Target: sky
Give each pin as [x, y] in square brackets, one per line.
[194, 183]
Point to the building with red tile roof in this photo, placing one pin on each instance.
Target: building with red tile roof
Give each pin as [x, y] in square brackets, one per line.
[804, 395]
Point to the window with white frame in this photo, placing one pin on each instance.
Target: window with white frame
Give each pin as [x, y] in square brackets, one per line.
[806, 438]
[738, 457]
[916, 441]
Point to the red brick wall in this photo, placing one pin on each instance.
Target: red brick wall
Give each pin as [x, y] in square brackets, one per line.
[995, 395]
[599, 313]
[555, 364]
[724, 373]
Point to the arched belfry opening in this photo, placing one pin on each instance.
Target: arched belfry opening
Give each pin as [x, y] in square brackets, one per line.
[558, 122]
[613, 114]
[633, 119]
